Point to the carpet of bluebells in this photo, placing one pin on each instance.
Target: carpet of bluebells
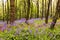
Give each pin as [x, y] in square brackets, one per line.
[36, 29]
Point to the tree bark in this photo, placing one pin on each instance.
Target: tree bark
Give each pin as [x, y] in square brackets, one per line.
[28, 11]
[47, 14]
[25, 7]
[7, 11]
[37, 8]
[16, 10]
[42, 8]
[31, 15]
[12, 11]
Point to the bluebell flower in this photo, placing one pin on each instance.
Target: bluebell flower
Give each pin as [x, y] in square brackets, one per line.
[9, 29]
[3, 25]
[36, 30]
[3, 28]
[52, 23]
[37, 18]
[44, 24]
[31, 21]
[17, 31]
[20, 21]
[13, 24]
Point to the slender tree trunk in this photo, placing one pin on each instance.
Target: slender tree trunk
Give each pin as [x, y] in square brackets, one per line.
[56, 15]
[31, 15]
[37, 8]
[42, 8]
[16, 10]
[51, 11]
[20, 14]
[12, 11]
[45, 8]
[7, 11]
[47, 14]
[19, 11]
[28, 10]
[3, 8]
[25, 7]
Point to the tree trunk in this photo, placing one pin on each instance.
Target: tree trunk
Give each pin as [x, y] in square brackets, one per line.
[12, 11]
[25, 7]
[7, 11]
[56, 15]
[47, 14]
[28, 9]
[37, 8]
[31, 15]
[42, 8]
[3, 8]
[19, 11]
[16, 10]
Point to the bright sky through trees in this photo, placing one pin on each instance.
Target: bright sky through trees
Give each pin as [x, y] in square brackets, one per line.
[4, 1]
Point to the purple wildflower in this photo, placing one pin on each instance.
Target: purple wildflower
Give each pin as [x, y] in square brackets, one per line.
[20, 21]
[30, 31]
[31, 21]
[13, 24]
[36, 30]
[52, 23]
[9, 29]
[3, 26]
[44, 24]
[37, 18]
[17, 31]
